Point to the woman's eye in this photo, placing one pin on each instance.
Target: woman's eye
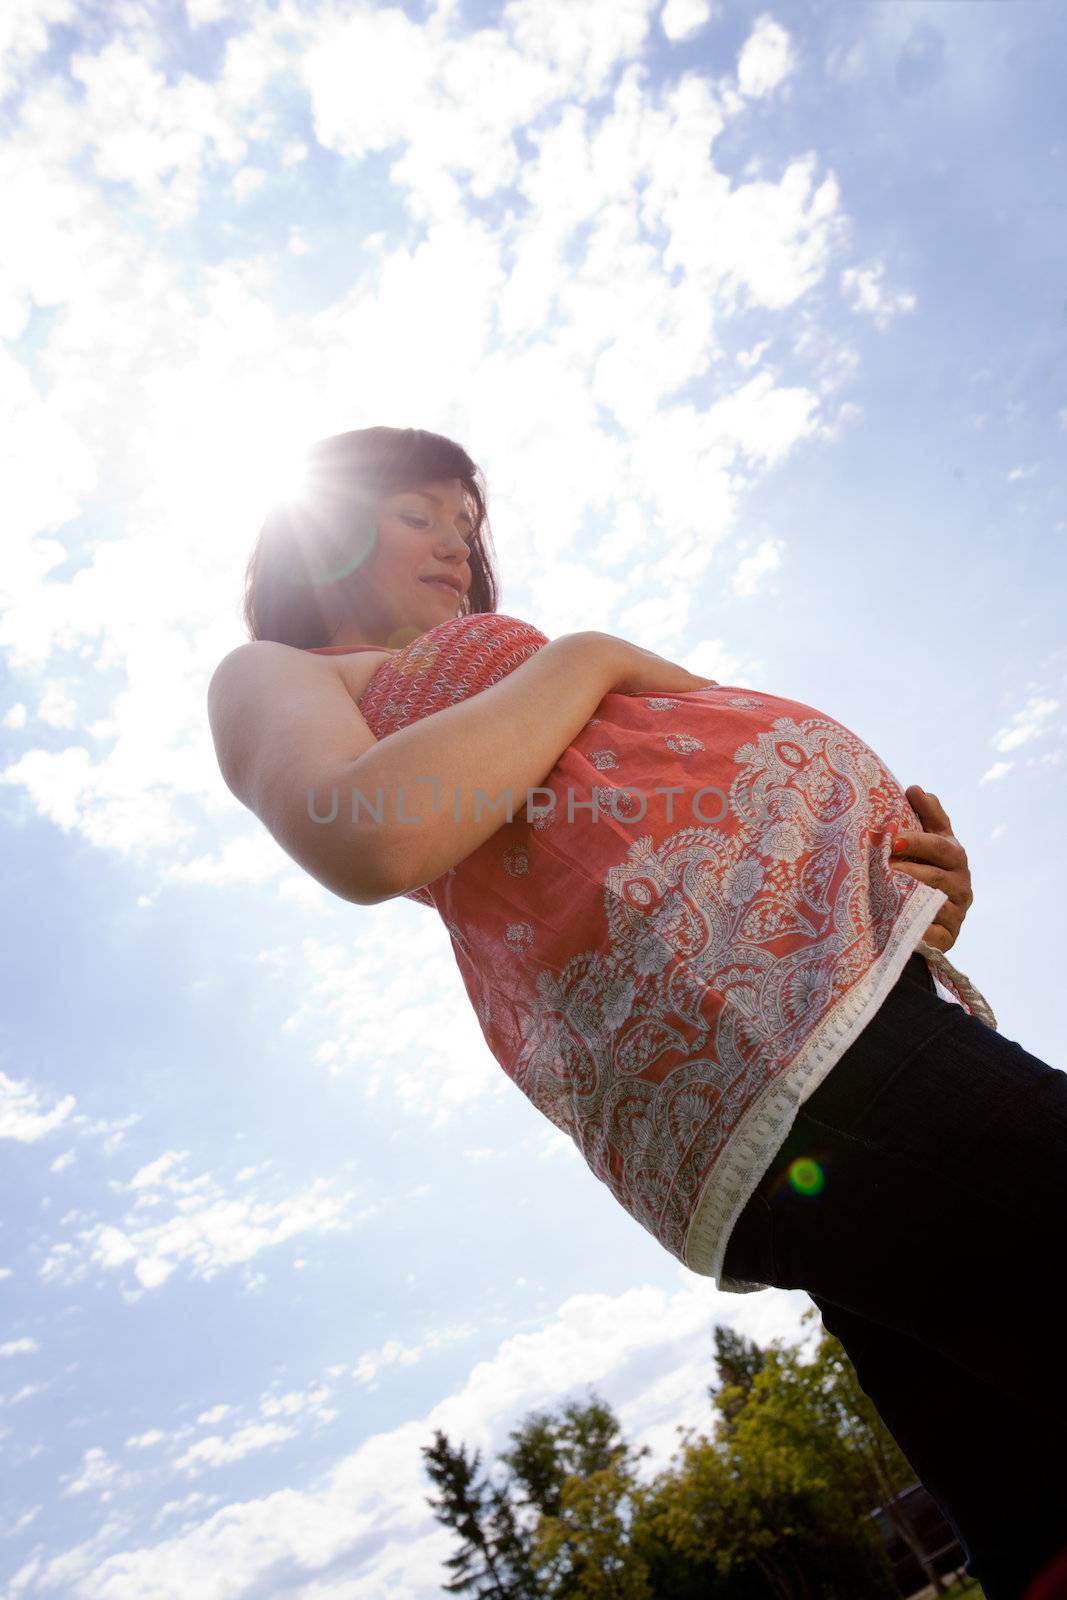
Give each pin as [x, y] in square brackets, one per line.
[419, 523]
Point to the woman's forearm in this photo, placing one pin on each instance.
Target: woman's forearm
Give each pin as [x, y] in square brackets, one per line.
[503, 741]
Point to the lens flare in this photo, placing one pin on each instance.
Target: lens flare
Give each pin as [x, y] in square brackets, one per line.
[328, 537]
[806, 1175]
[303, 577]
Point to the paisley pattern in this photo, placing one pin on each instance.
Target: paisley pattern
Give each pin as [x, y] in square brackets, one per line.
[672, 955]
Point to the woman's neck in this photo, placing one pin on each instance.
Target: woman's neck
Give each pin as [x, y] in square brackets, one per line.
[353, 637]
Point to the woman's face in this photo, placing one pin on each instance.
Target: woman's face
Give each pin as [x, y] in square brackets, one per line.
[423, 532]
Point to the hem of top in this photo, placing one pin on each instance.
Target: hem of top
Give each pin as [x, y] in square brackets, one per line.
[766, 1125]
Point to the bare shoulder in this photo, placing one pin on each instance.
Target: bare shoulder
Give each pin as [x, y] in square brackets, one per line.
[254, 656]
[285, 726]
[273, 707]
[260, 669]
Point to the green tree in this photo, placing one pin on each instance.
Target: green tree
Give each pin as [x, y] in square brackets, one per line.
[685, 1528]
[547, 1450]
[586, 1549]
[804, 1508]
[576, 1474]
[739, 1361]
[773, 1504]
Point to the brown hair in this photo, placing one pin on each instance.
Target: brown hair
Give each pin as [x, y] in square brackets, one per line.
[321, 537]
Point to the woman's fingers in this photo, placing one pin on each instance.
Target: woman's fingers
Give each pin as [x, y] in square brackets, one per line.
[956, 883]
[939, 849]
[944, 930]
[930, 811]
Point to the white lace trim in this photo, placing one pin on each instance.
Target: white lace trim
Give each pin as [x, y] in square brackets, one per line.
[764, 1129]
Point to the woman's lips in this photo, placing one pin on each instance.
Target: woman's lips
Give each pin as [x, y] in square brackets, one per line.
[446, 588]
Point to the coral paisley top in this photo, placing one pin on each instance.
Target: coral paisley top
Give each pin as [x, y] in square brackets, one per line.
[668, 987]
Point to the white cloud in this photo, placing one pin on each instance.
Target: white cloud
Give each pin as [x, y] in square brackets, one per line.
[153, 1174]
[358, 1003]
[24, 26]
[189, 1505]
[111, 1130]
[214, 1415]
[203, 1228]
[152, 135]
[309, 1402]
[144, 1441]
[1029, 723]
[767, 58]
[73, 1563]
[215, 1451]
[302, 1407]
[683, 19]
[246, 180]
[767, 557]
[997, 770]
[392, 1352]
[26, 1392]
[18, 1347]
[863, 287]
[21, 1114]
[254, 857]
[57, 707]
[97, 1473]
[21, 1522]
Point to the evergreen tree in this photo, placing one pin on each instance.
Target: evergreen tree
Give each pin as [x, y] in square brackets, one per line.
[511, 1544]
[491, 1561]
[740, 1361]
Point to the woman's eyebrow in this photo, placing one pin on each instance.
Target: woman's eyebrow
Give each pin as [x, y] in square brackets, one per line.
[436, 498]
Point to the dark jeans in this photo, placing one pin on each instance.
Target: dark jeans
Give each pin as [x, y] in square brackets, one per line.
[935, 1252]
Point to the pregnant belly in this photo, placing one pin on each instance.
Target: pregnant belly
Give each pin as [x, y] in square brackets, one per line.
[761, 798]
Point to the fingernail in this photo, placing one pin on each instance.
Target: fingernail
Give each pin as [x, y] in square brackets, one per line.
[899, 846]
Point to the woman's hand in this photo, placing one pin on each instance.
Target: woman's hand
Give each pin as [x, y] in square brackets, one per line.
[633, 670]
[935, 856]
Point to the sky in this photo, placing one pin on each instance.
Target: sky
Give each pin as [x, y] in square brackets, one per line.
[755, 321]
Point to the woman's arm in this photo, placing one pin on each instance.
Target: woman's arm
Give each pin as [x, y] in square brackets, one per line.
[504, 740]
[293, 747]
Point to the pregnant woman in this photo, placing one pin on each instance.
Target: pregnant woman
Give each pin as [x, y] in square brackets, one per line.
[677, 912]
